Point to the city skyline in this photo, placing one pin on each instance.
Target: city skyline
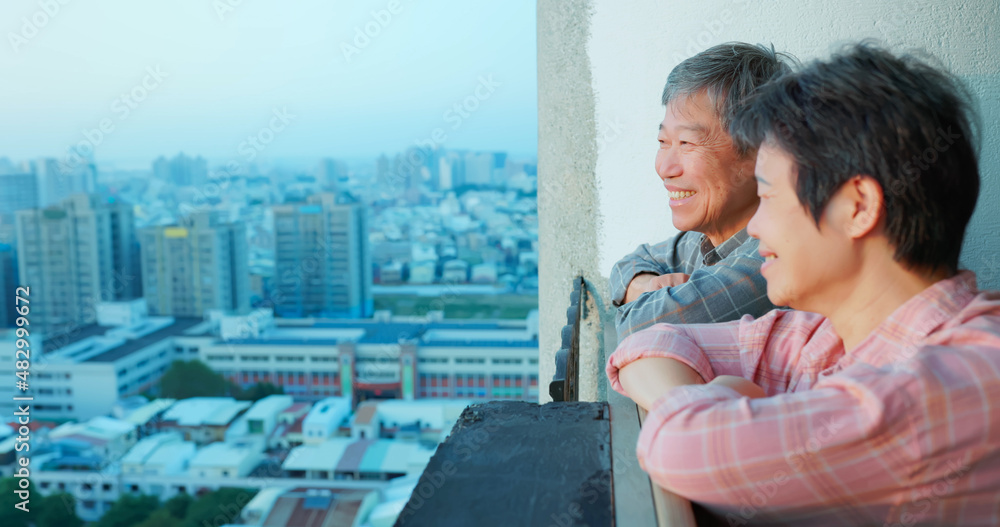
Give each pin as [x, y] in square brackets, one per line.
[265, 245]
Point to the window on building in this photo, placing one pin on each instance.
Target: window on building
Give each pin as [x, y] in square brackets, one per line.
[468, 360]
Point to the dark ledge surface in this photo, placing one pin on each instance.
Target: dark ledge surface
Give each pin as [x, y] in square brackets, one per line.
[513, 463]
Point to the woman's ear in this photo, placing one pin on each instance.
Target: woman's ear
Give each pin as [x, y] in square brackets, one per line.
[861, 203]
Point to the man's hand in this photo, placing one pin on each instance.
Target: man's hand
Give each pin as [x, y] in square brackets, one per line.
[739, 384]
[645, 282]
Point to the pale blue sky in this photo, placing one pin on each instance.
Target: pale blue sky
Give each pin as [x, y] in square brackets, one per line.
[225, 75]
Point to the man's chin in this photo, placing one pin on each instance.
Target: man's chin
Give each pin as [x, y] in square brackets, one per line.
[682, 225]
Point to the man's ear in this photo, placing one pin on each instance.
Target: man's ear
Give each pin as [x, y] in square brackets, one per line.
[864, 205]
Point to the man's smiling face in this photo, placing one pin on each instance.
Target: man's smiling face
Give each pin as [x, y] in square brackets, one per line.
[712, 189]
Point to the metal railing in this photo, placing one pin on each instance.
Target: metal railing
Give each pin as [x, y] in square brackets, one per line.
[565, 385]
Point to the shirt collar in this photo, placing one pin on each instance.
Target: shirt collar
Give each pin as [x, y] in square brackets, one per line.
[712, 255]
[911, 323]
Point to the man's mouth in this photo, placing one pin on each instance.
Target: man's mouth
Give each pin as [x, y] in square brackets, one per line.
[682, 194]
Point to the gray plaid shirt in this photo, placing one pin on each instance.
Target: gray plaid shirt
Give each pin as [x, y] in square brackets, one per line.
[725, 282]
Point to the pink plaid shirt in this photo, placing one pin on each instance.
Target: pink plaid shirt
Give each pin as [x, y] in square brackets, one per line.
[903, 431]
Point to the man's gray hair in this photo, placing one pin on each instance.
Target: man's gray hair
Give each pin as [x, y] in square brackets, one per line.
[728, 73]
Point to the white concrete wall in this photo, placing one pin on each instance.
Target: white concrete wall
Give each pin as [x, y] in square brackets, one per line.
[634, 45]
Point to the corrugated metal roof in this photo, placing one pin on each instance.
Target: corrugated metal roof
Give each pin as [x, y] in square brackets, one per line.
[375, 456]
[323, 456]
[351, 460]
[398, 456]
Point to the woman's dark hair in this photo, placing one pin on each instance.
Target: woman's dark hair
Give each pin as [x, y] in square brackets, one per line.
[910, 126]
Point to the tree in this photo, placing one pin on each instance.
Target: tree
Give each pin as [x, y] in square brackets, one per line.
[218, 508]
[161, 518]
[257, 391]
[129, 511]
[191, 379]
[15, 517]
[178, 505]
[58, 510]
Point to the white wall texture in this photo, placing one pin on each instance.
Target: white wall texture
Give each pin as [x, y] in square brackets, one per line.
[633, 46]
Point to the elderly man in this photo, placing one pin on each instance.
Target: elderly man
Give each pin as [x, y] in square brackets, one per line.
[875, 404]
[710, 272]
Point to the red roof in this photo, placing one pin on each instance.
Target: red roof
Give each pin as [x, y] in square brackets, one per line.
[315, 508]
[33, 425]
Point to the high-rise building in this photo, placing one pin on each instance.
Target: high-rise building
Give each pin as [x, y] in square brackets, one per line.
[188, 270]
[73, 256]
[332, 174]
[58, 180]
[181, 170]
[7, 166]
[322, 258]
[499, 172]
[8, 283]
[479, 169]
[445, 179]
[382, 169]
[20, 191]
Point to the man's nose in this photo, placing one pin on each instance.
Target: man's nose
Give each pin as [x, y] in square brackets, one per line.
[668, 164]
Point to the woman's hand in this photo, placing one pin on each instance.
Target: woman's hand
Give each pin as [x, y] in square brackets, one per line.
[741, 385]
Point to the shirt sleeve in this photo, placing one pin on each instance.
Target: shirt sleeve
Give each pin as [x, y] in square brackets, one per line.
[828, 447]
[722, 292]
[657, 259]
[766, 350]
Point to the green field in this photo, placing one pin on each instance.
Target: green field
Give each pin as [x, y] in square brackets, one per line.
[460, 306]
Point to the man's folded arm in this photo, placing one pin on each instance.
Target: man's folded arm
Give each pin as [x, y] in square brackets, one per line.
[722, 292]
[652, 259]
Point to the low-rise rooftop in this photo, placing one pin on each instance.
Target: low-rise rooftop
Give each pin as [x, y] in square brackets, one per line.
[205, 411]
[221, 455]
[97, 430]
